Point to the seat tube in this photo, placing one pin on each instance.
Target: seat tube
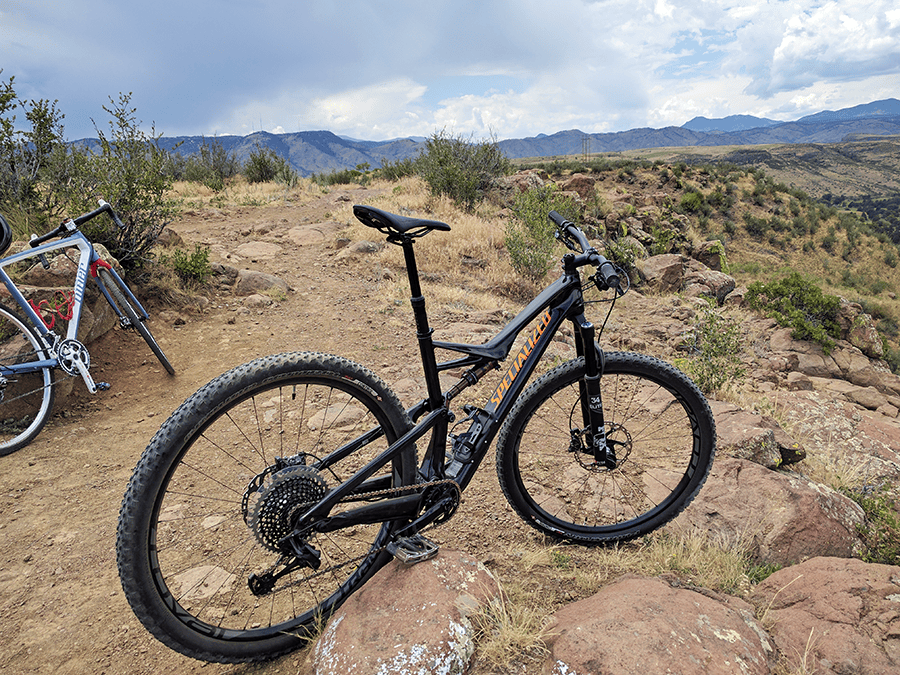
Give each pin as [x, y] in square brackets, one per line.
[423, 330]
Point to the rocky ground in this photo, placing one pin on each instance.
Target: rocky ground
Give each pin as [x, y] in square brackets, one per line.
[62, 608]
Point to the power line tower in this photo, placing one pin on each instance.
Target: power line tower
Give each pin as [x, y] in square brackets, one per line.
[586, 147]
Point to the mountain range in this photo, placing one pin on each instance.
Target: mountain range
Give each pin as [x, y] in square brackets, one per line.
[320, 152]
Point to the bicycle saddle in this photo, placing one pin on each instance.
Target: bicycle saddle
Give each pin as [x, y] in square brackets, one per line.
[6, 235]
[391, 223]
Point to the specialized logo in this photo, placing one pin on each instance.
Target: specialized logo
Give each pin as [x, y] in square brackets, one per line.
[519, 360]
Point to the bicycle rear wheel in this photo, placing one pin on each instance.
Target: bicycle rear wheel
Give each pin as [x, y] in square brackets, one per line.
[26, 399]
[136, 321]
[658, 424]
[218, 487]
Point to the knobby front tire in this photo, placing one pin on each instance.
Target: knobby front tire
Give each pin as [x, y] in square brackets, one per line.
[659, 424]
[27, 398]
[136, 321]
[204, 510]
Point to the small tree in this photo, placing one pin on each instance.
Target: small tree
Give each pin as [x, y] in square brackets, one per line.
[129, 171]
[34, 161]
[715, 346]
[265, 165]
[460, 169]
[212, 165]
[530, 237]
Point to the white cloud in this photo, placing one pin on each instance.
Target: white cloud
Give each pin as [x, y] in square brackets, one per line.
[379, 70]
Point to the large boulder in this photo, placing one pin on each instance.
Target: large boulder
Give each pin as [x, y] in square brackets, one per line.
[408, 620]
[640, 626]
[832, 615]
[662, 273]
[778, 517]
[759, 438]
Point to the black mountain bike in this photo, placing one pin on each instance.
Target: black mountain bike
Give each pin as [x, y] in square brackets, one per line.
[282, 486]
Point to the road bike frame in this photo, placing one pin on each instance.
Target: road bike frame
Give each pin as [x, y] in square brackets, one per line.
[561, 301]
[88, 262]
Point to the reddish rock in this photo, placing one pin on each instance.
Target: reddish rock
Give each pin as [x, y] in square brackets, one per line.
[758, 438]
[780, 517]
[640, 626]
[663, 273]
[833, 615]
[407, 619]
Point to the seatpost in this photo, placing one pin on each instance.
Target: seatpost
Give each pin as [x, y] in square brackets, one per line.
[423, 331]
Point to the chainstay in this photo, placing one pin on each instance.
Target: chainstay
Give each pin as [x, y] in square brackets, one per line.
[371, 551]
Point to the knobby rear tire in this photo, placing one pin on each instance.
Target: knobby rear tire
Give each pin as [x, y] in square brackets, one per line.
[27, 398]
[656, 419]
[136, 321]
[185, 551]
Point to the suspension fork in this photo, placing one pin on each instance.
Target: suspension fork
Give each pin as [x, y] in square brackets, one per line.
[591, 403]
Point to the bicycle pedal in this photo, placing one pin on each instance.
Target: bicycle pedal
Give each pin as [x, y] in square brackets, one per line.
[412, 550]
[102, 386]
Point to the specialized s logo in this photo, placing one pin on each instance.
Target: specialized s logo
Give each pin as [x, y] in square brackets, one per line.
[519, 360]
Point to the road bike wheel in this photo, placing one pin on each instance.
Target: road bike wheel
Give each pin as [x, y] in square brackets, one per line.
[658, 423]
[217, 488]
[136, 321]
[26, 399]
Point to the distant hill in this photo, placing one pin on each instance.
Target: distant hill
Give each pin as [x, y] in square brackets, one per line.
[731, 123]
[324, 152]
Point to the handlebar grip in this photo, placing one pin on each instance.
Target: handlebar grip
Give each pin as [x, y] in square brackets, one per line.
[609, 273]
[104, 205]
[557, 219]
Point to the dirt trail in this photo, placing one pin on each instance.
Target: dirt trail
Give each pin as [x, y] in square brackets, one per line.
[62, 608]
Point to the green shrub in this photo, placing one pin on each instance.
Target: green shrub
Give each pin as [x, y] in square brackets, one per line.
[881, 533]
[211, 166]
[189, 266]
[456, 167]
[129, 171]
[715, 347]
[264, 165]
[530, 239]
[34, 162]
[692, 202]
[797, 303]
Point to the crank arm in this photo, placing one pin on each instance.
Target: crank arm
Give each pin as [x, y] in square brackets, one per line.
[438, 509]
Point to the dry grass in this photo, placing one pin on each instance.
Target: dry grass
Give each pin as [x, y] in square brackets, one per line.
[509, 631]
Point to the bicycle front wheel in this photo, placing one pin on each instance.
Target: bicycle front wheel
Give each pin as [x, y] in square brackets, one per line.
[201, 551]
[136, 321]
[658, 424]
[26, 399]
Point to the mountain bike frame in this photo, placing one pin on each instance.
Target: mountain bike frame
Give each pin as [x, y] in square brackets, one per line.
[562, 300]
[88, 262]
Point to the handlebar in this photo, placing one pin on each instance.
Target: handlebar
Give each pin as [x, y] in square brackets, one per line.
[571, 234]
[72, 223]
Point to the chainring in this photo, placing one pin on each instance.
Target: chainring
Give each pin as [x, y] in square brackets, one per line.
[278, 502]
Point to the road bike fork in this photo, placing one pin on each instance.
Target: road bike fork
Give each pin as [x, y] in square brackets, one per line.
[593, 431]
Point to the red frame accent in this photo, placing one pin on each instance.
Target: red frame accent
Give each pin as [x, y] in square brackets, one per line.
[99, 262]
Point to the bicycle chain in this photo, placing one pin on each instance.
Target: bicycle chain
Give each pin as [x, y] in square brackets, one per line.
[374, 493]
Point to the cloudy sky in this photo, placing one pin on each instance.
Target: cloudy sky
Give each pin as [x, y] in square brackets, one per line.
[381, 69]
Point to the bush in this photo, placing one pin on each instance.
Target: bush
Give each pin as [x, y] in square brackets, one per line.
[190, 267]
[797, 303]
[211, 166]
[530, 237]
[715, 346]
[881, 533]
[265, 165]
[460, 169]
[129, 171]
[34, 162]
